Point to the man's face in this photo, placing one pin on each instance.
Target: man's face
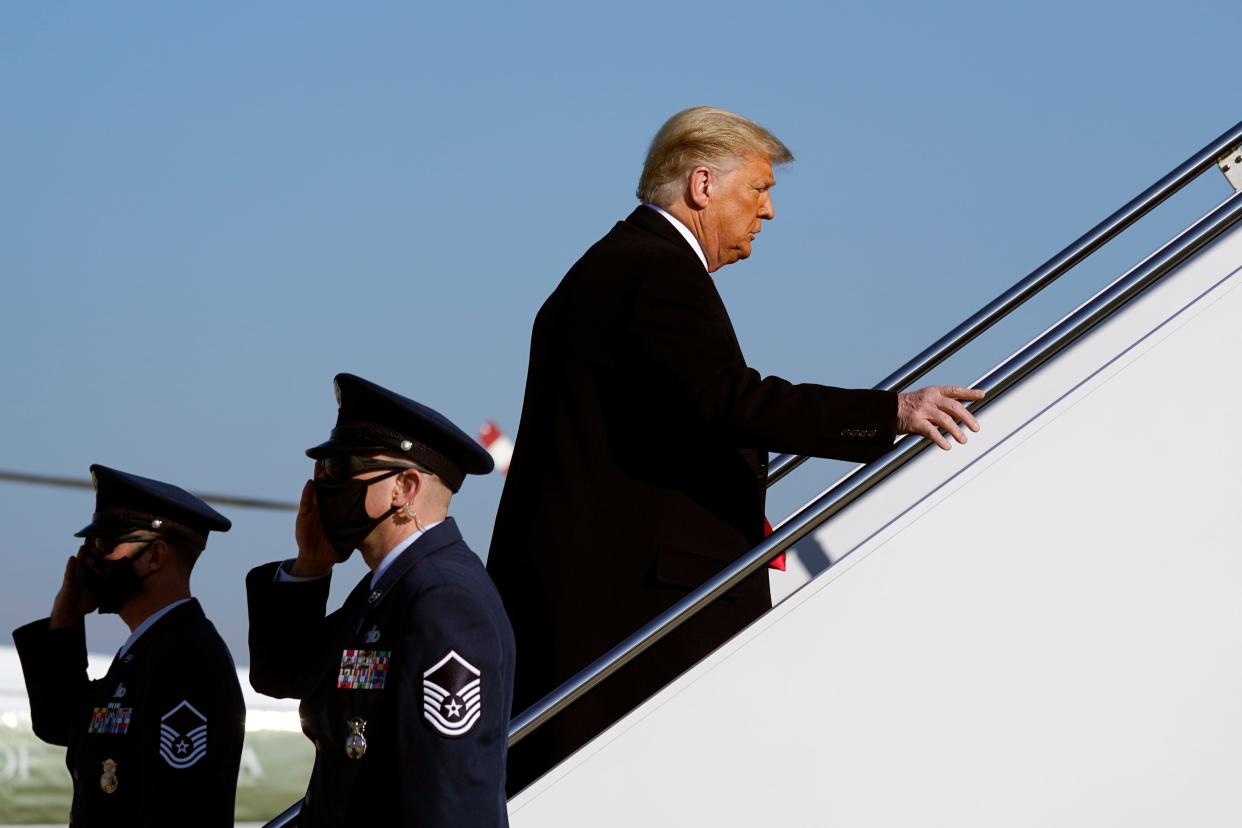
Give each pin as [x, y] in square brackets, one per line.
[740, 200]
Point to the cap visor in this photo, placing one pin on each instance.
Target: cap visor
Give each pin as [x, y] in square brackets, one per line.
[104, 529]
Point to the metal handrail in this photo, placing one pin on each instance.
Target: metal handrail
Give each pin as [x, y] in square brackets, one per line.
[845, 491]
[1040, 278]
[996, 382]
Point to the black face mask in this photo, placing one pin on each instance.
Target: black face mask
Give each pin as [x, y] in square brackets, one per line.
[112, 583]
[343, 512]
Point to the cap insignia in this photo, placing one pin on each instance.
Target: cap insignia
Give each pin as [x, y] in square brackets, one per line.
[406, 445]
[157, 523]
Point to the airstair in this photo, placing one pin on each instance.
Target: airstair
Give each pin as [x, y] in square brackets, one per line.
[1042, 627]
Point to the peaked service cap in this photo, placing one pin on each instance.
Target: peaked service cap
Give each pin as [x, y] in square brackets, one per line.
[373, 420]
[126, 502]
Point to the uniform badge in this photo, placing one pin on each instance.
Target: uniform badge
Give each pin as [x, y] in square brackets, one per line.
[373, 634]
[183, 736]
[363, 669]
[355, 742]
[107, 779]
[451, 695]
[120, 691]
[111, 719]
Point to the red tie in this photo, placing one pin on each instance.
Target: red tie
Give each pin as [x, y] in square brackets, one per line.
[779, 561]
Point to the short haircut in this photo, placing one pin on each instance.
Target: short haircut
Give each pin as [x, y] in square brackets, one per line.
[702, 135]
[186, 554]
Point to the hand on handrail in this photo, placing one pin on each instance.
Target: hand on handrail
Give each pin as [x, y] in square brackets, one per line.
[937, 407]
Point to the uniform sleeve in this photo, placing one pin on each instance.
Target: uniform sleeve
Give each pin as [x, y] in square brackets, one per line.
[680, 341]
[54, 667]
[285, 619]
[193, 725]
[452, 714]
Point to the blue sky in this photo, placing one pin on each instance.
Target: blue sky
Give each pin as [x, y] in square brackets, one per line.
[207, 211]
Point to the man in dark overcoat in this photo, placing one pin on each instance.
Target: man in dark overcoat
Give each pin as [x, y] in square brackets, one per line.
[157, 741]
[640, 463]
[406, 688]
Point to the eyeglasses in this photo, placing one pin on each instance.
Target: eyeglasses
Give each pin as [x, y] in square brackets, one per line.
[106, 546]
[341, 467]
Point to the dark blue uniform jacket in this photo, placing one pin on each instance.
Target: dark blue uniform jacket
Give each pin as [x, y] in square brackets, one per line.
[420, 667]
[157, 741]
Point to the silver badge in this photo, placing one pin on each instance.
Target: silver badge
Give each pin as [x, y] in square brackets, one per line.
[373, 635]
[107, 780]
[355, 742]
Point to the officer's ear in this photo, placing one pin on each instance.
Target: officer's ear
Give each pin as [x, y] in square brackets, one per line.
[165, 553]
[157, 554]
[409, 483]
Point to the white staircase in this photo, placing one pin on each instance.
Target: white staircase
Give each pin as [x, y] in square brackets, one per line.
[1041, 628]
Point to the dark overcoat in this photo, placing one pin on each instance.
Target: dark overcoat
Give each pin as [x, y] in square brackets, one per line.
[419, 666]
[639, 470]
[157, 741]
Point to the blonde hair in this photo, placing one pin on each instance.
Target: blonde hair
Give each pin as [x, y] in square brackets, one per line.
[702, 135]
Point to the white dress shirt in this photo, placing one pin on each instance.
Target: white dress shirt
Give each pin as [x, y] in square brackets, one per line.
[397, 550]
[684, 230]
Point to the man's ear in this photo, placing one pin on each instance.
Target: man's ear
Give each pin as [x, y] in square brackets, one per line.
[408, 484]
[159, 555]
[699, 189]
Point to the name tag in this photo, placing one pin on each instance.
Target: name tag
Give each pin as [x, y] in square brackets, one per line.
[111, 719]
[363, 669]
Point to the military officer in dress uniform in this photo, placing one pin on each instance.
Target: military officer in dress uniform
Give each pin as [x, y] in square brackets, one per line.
[157, 741]
[406, 689]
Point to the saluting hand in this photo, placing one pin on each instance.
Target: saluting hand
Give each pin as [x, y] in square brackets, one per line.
[315, 555]
[72, 602]
[937, 407]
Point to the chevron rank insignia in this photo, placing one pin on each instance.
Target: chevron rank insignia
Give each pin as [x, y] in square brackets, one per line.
[451, 695]
[183, 736]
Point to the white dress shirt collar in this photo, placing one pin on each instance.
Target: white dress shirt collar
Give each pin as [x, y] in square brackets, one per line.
[393, 553]
[685, 232]
[146, 625]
